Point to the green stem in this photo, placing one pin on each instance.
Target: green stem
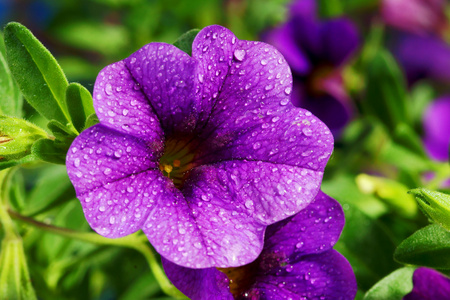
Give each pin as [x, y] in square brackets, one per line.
[133, 241]
[5, 219]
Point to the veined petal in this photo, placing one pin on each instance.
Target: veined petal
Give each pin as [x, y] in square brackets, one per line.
[109, 171]
[120, 104]
[166, 75]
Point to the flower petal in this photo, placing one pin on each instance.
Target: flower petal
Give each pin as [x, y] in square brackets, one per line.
[340, 40]
[315, 229]
[213, 48]
[424, 57]
[120, 104]
[254, 119]
[166, 75]
[283, 38]
[436, 125]
[327, 275]
[429, 284]
[110, 172]
[195, 233]
[202, 284]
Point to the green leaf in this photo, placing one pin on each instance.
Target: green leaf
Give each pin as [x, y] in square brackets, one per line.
[330, 8]
[60, 131]
[15, 282]
[37, 73]
[50, 151]
[435, 205]
[386, 91]
[11, 98]
[16, 137]
[80, 104]
[91, 121]
[429, 246]
[365, 241]
[392, 287]
[15, 162]
[184, 42]
[390, 191]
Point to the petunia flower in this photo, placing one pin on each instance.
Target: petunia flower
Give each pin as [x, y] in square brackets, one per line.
[202, 153]
[415, 16]
[297, 262]
[429, 284]
[317, 52]
[436, 123]
[423, 57]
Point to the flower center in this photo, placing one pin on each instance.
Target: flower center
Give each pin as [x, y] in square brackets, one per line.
[315, 81]
[242, 278]
[177, 159]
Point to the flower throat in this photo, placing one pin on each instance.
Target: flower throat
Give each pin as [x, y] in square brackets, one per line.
[177, 159]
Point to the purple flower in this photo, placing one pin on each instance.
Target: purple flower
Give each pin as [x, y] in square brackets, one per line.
[415, 16]
[436, 123]
[202, 153]
[297, 262]
[317, 52]
[429, 285]
[423, 57]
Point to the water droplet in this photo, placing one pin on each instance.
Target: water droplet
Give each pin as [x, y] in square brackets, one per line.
[125, 112]
[107, 171]
[129, 149]
[256, 145]
[248, 203]
[130, 189]
[101, 208]
[287, 90]
[299, 245]
[263, 62]
[182, 230]
[133, 60]
[76, 162]
[108, 89]
[307, 131]
[275, 119]
[118, 153]
[284, 102]
[239, 54]
[112, 220]
[200, 78]
[268, 87]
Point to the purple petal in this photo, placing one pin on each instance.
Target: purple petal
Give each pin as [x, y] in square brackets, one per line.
[196, 234]
[120, 104]
[253, 108]
[327, 275]
[166, 75]
[203, 284]
[213, 48]
[110, 172]
[416, 16]
[429, 285]
[313, 230]
[340, 40]
[283, 38]
[424, 57]
[436, 123]
[304, 8]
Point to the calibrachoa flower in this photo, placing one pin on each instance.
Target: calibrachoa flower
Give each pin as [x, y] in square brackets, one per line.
[317, 52]
[202, 153]
[415, 16]
[429, 285]
[297, 262]
[423, 57]
[436, 123]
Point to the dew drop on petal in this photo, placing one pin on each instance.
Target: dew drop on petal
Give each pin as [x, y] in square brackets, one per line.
[285, 101]
[256, 145]
[76, 162]
[248, 203]
[108, 89]
[107, 171]
[239, 54]
[307, 131]
[263, 62]
[287, 90]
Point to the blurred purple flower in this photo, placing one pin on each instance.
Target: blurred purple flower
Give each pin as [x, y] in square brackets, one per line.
[316, 52]
[423, 57]
[297, 262]
[436, 123]
[202, 153]
[429, 284]
[415, 16]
